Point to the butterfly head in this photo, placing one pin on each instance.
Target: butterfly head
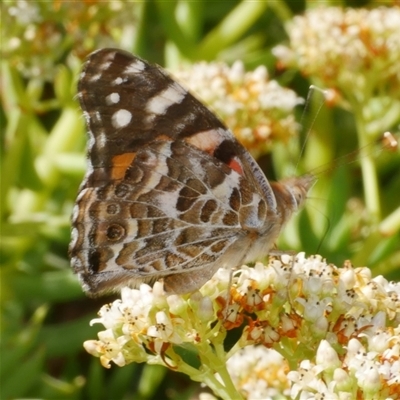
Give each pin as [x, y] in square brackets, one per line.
[291, 194]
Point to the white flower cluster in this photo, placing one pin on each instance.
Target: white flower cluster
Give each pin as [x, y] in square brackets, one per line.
[348, 320]
[37, 35]
[260, 373]
[142, 318]
[337, 330]
[356, 51]
[361, 370]
[254, 107]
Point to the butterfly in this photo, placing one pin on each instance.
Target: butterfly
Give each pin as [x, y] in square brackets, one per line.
[169, 193]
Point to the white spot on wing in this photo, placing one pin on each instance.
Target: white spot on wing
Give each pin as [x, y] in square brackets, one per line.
[86, 116]
[105, 65]
[95, 77]
[81, 194]
[112, 98]
[207, 140]
[174, 94]
[224, 190]
[167, 203]
[91, 140]
[135, 67]
[132, 229]
[75, 214]
[121, 118]
[101, 139]
[112, 264]
[117, 81]
[74, 237]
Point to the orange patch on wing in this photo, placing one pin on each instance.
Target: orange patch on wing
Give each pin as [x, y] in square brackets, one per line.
[236, 166]
[120, 164]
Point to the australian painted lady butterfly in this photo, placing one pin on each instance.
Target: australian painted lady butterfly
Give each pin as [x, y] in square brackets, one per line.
[169, 192]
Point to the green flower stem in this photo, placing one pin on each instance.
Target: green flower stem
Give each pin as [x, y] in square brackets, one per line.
[236, 347]
[215, 359]
[369, 245]
[210, 366]
[220, 362]
[211, 353]
[391, 224]
[282, 10]
[190, 17]
[207, 376]
[176, 34]
[241, 18]
[368, 169]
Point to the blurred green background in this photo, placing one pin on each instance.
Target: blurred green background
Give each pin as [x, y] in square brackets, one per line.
[44, 314]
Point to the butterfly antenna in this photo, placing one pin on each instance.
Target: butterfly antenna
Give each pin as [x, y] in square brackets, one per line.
[387, 142]
[307, 123]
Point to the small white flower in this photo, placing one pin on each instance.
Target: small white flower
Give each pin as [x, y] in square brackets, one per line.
[343, 380]
[327, 357]
[368, 378]
[165, 329]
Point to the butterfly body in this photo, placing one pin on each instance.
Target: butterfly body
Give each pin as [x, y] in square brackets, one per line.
[169, 192]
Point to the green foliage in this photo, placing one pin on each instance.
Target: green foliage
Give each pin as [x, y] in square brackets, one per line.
[44, 314]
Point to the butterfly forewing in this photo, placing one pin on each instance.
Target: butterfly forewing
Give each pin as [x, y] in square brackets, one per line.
[125, 101]
[169, 192]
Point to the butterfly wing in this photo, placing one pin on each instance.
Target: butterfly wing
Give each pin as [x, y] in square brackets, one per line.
[169, 191]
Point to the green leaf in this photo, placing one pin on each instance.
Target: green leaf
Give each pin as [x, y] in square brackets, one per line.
[20, 380]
